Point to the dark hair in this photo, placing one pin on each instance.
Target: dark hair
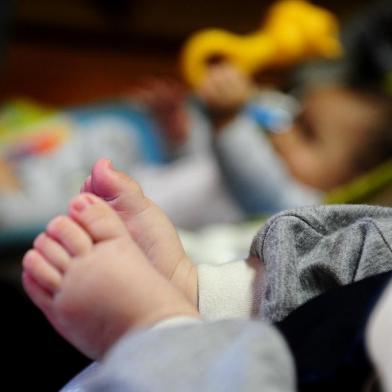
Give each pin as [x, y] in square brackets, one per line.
[367, 63]
[368, 69]
[365, 69]
[368, 46]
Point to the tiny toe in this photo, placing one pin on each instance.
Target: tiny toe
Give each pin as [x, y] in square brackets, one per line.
[69, 235]
[102, 180]
[42, 272]
[108, 183]
[96, 217]
[52, 251]
[87, 186]
[37, 294]
[115, 187]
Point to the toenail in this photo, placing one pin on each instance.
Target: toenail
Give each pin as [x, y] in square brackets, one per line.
[38, 240]
[28, 259]
[80, 204]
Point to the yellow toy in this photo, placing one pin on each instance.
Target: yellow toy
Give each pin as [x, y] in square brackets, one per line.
[294, 30]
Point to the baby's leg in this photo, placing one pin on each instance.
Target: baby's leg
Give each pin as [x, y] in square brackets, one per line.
[147, 224]
[92, 281]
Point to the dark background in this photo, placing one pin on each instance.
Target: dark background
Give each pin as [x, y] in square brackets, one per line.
[73, 51]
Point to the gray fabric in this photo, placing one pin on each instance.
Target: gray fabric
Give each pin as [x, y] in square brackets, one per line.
[307, 251]
[222, 356]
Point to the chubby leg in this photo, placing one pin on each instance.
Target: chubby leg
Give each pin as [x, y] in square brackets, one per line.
[93, 282]
[147, 224]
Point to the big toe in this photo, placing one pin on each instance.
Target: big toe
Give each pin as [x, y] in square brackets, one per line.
[96, 217]
[115, 187]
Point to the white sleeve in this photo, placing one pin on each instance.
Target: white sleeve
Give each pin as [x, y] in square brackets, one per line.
[230, 290]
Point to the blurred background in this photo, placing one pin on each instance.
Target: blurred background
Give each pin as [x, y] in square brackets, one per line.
[65, 53]
[75, 51]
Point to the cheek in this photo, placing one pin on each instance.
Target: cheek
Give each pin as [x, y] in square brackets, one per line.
[319, 171]
[306, 167]
[312, 167]
[310, 163]
[300, 157]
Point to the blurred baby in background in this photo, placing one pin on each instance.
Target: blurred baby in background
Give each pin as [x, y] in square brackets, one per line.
[234, 149]
[276, 152]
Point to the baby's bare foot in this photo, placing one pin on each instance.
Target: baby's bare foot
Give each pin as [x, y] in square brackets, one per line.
[93, 282]
[147, 224]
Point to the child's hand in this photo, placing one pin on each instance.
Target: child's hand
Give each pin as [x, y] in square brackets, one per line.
[225, 88]
[165, 98]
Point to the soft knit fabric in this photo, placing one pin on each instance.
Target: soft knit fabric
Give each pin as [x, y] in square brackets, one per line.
[230, 290]
[308, 251]
[297, 255]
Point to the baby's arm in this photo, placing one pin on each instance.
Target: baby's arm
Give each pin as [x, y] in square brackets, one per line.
[254, 172]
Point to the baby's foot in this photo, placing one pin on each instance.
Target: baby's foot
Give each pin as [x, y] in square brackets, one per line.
[147, 224]
[92, 281]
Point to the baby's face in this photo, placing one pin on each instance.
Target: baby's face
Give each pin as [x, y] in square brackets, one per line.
[322, 147]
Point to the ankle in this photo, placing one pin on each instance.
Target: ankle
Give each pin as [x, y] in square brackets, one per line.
[185, 279]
